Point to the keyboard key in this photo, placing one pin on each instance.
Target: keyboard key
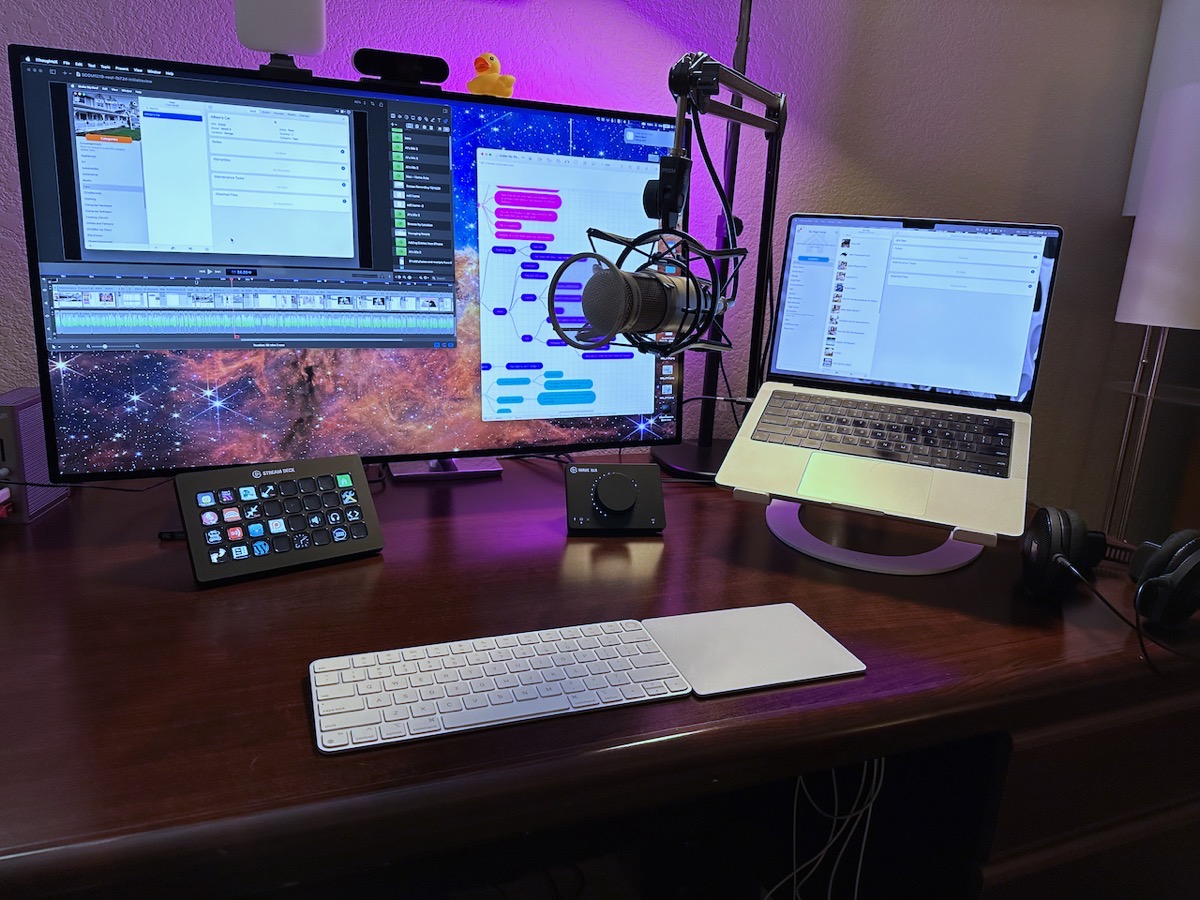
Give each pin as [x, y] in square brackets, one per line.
[350, 720]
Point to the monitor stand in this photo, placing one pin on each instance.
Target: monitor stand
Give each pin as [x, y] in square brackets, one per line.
[692, 459]
[783, 518]
[446, 469]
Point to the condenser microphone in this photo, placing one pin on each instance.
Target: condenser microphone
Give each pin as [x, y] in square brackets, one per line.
[644, 302]
[665, 303]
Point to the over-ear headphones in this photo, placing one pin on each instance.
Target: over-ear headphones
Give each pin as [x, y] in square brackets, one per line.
[1054, 532]
[1167, 574]
[1168, 579]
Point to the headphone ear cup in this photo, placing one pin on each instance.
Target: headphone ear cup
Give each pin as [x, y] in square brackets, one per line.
[1168, 600]
[1075, 538]
[1151, 560]
[1045, 538]
[1168, 590]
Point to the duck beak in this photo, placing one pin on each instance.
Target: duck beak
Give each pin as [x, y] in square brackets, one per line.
[481, 65]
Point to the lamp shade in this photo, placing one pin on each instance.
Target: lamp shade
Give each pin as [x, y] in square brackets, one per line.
[1175, 62]
[1162, 274]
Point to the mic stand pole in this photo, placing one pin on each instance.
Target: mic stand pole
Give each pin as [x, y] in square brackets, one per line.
[709, 452]
[702, 458]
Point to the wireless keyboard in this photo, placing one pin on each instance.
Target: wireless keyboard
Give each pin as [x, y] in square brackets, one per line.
[249, 520]
[369, 699]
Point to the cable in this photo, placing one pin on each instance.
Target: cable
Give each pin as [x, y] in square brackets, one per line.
[728, 389]
[733, 402]
[740, 401]
[763, 361]
[1136, 625]
[876, 784]
[729, 289]
[847, 824]
[843, 827]
[862, 848]
[92, 487]
[561, 458]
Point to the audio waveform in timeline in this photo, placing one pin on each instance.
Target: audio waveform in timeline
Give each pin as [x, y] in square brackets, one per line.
[217, 322]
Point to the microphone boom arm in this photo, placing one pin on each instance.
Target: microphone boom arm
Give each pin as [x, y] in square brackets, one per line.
[694, 81]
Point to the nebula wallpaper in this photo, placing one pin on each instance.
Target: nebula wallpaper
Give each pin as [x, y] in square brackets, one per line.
[121, 413]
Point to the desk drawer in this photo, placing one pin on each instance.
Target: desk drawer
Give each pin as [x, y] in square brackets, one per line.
[1094, 786]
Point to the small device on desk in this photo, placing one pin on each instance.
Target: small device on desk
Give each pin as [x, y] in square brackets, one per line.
[614, 499]
[243, 521]
[24, 471]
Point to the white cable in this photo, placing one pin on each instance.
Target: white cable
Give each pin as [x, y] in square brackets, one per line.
[862, 850]
[842, 824]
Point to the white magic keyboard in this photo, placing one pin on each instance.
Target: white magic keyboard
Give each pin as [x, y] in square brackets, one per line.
[417, 692]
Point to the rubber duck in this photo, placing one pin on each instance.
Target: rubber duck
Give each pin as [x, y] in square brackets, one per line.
[488, 79]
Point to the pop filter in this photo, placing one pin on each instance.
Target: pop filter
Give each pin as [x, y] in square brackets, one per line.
[664, 305]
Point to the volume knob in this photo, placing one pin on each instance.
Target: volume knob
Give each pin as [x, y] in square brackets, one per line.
[614, 493]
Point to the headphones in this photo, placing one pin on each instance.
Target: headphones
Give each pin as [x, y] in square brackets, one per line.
[1167, 574]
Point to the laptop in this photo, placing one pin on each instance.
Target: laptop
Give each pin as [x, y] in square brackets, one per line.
[901, 366]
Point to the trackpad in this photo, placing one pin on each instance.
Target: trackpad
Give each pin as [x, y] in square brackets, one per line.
[866, 483]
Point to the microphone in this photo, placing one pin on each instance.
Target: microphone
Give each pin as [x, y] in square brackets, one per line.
[661, 307]
[644, 302]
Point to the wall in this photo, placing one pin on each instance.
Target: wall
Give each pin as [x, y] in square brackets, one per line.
[1021, 111]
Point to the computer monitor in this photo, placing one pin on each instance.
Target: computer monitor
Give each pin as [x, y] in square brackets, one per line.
[228, 267]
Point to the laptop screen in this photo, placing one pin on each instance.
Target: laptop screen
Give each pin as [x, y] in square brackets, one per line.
[941, 310]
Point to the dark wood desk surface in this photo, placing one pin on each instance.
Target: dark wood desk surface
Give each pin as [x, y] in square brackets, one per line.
[147, 726]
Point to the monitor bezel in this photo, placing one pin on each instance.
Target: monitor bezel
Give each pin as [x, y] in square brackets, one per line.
[366, 86]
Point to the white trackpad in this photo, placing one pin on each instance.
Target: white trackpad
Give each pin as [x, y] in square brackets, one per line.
[749, 647]
[866, 484]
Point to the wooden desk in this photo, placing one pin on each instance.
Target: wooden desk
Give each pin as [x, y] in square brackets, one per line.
[156, 735]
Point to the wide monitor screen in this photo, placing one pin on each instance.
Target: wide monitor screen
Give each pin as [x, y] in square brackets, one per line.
[229, 268]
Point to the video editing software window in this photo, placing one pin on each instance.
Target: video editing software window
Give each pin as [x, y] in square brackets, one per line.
[230, 269]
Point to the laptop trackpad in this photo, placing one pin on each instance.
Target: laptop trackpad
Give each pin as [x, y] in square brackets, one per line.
[866, 483]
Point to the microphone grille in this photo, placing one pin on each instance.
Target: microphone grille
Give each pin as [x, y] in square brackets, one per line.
[607, 300]
[653, 310]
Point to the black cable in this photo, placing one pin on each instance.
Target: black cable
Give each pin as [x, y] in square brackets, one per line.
[92, 487]
[763, 361]
[731, 229]
[729, 390]
[563, 459]
[740, 401]
[1141, 633]
[726, 210]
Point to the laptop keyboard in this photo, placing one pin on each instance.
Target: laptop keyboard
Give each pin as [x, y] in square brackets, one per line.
[961, 442]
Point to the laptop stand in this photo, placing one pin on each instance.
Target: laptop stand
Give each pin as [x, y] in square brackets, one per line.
[783, 518]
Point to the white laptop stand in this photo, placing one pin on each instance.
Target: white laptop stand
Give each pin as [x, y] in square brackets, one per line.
[783, 518]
